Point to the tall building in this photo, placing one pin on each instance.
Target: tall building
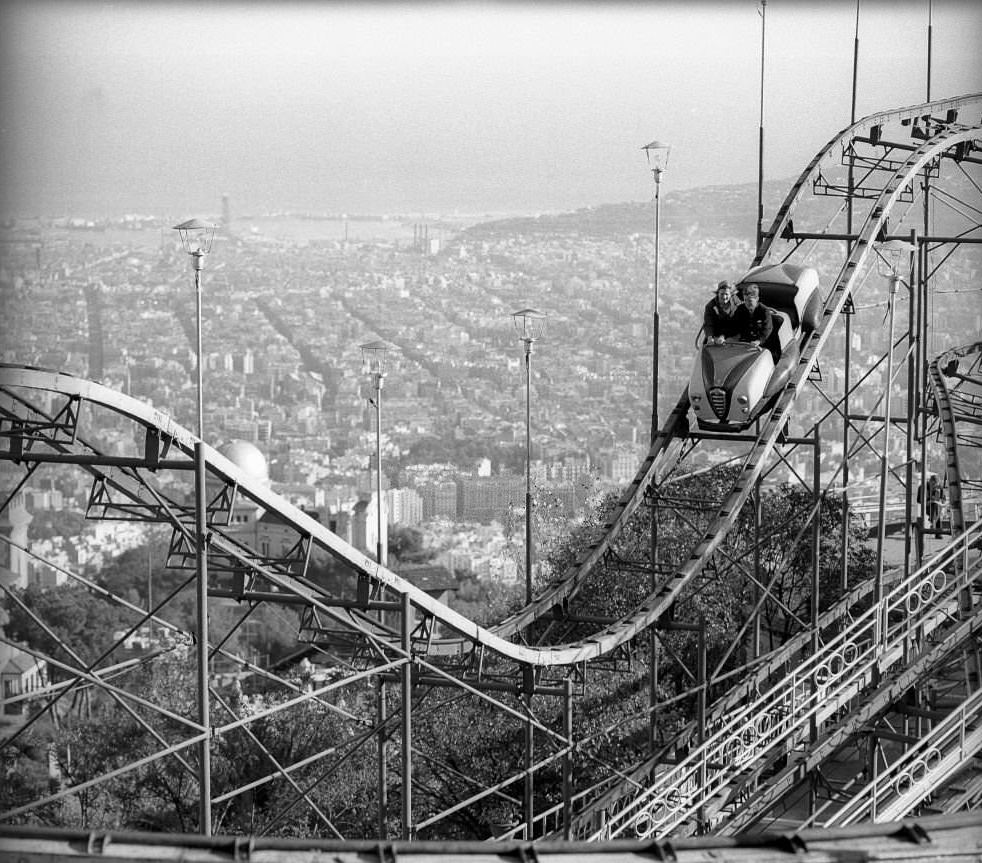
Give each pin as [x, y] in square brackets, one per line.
[488, 498]
[364, 527]
[622, 464]
[405, 506]
[242, 429]
[14, 522]
[439, 499]
[574, 467]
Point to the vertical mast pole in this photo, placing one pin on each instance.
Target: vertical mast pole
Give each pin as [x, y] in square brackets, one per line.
[760, 136]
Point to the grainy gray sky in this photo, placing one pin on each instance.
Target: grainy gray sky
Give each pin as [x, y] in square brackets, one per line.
[159, 108]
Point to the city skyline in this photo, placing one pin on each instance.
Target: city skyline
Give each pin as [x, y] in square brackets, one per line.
[161, 108]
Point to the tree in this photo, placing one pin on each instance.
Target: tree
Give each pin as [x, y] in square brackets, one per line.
[24, 776]
[76, 617]
[461, 743]
[722, 595]
[406, 545]
[486, 601]
[49, 523]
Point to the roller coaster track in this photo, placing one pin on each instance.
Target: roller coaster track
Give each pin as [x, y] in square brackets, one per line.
[669, 799]
[850, 672]
[958, 410]
[925, 112]
[949, 747]
[944, 751]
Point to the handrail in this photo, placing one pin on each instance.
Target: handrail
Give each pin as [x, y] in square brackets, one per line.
[901, 785]
[815, 689]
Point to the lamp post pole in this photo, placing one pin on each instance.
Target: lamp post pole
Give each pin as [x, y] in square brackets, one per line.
[528, 469]
[656, 316]
[196, 238]
[380, 550]
[529, 323]
[657, 155]
[374, 356]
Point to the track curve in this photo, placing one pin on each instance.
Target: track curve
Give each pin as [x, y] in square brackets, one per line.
[496, 639]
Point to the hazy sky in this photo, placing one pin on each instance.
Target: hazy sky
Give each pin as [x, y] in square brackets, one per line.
[160, 108]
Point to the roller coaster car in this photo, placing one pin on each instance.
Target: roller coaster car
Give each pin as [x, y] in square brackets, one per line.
[735, 382]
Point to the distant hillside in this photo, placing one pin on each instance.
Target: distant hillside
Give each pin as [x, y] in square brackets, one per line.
[714, 211]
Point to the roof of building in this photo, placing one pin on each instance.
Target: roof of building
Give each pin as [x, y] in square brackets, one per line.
[427, 576]
[20, 662]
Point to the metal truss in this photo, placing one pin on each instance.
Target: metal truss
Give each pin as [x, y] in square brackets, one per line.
[754, 722]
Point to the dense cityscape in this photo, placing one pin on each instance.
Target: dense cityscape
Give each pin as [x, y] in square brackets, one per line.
[288, 299]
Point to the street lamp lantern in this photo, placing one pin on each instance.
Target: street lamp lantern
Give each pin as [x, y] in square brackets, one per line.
[657, 153]
[373, 357]
[529, 324]
[892, 255]
[197, 237]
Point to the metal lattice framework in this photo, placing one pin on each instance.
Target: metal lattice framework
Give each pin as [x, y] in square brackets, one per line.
[888, 669]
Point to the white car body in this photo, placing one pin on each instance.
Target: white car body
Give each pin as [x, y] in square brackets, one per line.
[734, 382]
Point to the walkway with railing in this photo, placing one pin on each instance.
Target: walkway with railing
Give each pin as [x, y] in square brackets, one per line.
[844, 668]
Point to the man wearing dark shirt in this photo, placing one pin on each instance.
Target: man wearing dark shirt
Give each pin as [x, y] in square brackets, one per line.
[718, 318]
[754, 321]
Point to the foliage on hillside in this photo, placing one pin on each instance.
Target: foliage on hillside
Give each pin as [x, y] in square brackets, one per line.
[462, 742]
[712, 211]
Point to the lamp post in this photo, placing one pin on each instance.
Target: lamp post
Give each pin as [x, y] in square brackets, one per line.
[657, 155]
[373, 355]
[530, 325]
[197, 238]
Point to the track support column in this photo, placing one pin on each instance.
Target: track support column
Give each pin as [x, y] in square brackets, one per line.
[568, 759]
[913, 341]
[528, 791]
[383, 779]
[407, 719]
[816, 585]
[201, 565]
[885, 469]
[701, 717]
